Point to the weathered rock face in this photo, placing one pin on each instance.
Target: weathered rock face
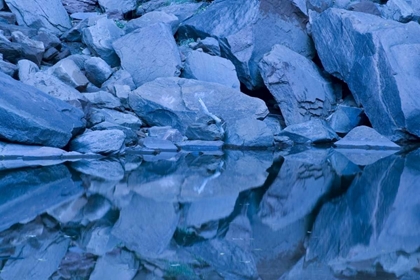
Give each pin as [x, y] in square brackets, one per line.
[376, 58]
[41, 13]
[76, 6]
[246, 30]
[297, 85]
[345, 118]
[364, 137]
[313, 131]
[99, 142]
[249, 133]
[153, 18]
[122, 6]
[149, 53]
[24, 121]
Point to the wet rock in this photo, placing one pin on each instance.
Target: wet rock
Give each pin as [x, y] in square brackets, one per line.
[119, 264]
[116, 5]
[158, 55]
[200, 146]
[23, 122]
[109, 170]
[96, 207]
[390, 106]
[165, 133]
[364, 157]
[297, 85]
[76, 6]
[208, 68]
[101, 142]
[119, 78]
[120, 118]
[345, 118]
[41, 13]
[204, 129]
[313, 131]
[185, 107]
[97, 70]
[154, 143]
[31, 152]
[103, 99]
[209, 45]
[342, 165]
[146, 226]
[249, 133]
[398, 10]
[99, 38]
[153, 18]
[68, 211]
[363, 137]
[69, 73]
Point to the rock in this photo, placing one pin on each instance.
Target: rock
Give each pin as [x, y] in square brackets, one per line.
[117, 5]
[41, 13]
[69, 73]
[7, 17]
[297, 85]
[314, 131]
[209, 45]
[101, 142]
[365, 7]
[97, 70]
[119, 264]
[99, 38]
[345, 118]
[246, 30]
[75, 33]
[96, 208]
[342, 165]
[9, 28]
[315, 271]
[249, 133]
[153, 18]
[98, 240]
[103, 99]
[200, 146]
[124, 119]
[204, 129]
[158, 55]
[274, 122]
[2, 4]
[415, 5]
[83, 15]
[26, 152]
[363, 157]
[363, 137]
[183, 11]
[68, 211]
[208, 68]
[146, 226]
[388, 98]
[108, 170]
[119, 78]
[23, 122]
[131, 137]
[49, 39]
[165, 133]
[398, 10]
[121, 92]
[154, 143]
[8, 68]
[75, 6]
[184, 107]
[15, 51]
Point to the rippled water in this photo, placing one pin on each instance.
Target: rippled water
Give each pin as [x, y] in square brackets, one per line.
[312, 214]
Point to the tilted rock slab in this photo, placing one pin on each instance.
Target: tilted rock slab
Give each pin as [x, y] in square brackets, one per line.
[378, 59]
[32, 117]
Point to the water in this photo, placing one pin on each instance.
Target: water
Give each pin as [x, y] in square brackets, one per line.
[309, 214]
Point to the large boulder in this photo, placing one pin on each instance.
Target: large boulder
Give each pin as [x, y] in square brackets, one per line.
[149, 53]
[153, 18]
[99, 142]
[313, 131]
[377, 59]
[297, 84]
[122, 6]
[246, 30]
[32, 117]
[49, 14]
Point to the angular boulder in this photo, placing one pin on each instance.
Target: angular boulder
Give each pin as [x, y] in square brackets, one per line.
[97, 70]
[100, 142]
[153, 18]
[313, 131]
[149, 53]
[249, 132]
[345, 118]
[297, 85]
[32, 117]
[377, 58]
[122, 6]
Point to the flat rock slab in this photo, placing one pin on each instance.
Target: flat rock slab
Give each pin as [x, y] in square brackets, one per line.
[30, 152]
[199, 145]
[32, 117]
[159, 144]
[363, 137]
[99, 142]
[153, 18]
[313, 131]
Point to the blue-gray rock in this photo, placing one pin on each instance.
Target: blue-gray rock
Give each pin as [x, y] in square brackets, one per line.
[342, 165]
[345, 118]
[149, 53]
[109, 170]
[99, 142]
[298, 86]
[363, 157]
[41, 13]
[120, 118]
[205, 129]
[99, 38]
[274, 122]
[2, 4]
[96, 207]
[153, 18]
[415, 5]
[314, 131]
[154, 143]
[367, 7]
[119, 78]
[15, 51]
[200, 146]
[119, 264]
[204, 67]
[398, 10]
[98, 239]
[165, 133]
[131, 137]
[103, 99]
[97, 70]
[27, 152]
[69, 73]
[249, 132]
[68, 211]
[122, 6]
[8, 68]
[183, 11]
[363, 137]
[76, 6]
[209, 45]
[49, 39]
[175, 102]
[24, 122]
[388, 97]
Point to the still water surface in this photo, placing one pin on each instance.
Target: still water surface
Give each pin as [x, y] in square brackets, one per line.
[312, 214]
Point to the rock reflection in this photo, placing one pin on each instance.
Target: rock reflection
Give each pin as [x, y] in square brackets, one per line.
[240, 215]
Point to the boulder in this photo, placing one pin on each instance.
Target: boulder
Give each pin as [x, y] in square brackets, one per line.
[204, 67]
[314, 131]
[200, 146]
[105, 170]
[165, 133]
[249, 132]
[99, 37]
[49, 14]
[121, 264]
[153, 48]
[131, 137]
[8, 68]
[209, 45]
[388, 96]
[120, 118]
[175, 102]
[76, 6]
[398, 10]
[103, 99]
[153, 18]
[119, 78]
[69, 73]
[157, 144]
[99, 142]
[345, 118]
[97, 70]
[246, 30]
[24, 122]
[205, 129]
[363, 137]
[298, 86]
[15, 51]
[123, 6]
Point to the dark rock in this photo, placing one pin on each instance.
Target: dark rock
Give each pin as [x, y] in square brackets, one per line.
[75, 6]
[183, 11]
[96, 207]
[209, 45]
[388, 98]
[101, 142]
[8, 68]
[97, 70]
[7, 17]
[154, 48]
[75, 33]
[398, 10]
[200, 146]
[345, 118]
[297, 84]
[13, 52]
[204, 129]
[117, 5]
[47, 38]
[314, 131]
[315, 271]
[120, 264]
[363, 137]
[50, 54]
[68, 211]
[41, 13]
[23, 122]
[249, 132]
[165, 133]
[9, 28]
[154, 143]
[153, 18]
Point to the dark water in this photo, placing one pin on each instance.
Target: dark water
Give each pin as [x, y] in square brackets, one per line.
[310, 214]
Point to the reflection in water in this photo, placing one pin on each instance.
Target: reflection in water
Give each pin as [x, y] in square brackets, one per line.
[312, 214]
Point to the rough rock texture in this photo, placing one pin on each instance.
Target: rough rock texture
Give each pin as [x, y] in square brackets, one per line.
[122, 6]
[398, 10]
[79, 6]
[101, 142]
[49, 14]
[314, 131]
[15, 51]
[103, 99]
[249, 132]
[68, 72]
[97, 70]
[345, 118]
[120, 264]
[297, 84]
[24, 122]
[149, 53]
[204, 129]
[153, 18]
[380, 72]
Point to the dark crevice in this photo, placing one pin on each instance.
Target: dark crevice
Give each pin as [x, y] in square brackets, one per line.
[264, 94]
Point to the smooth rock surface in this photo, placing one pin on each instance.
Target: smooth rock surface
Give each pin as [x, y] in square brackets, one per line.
[363, 137]
[314, 131]
[249, 132]
[122, 6]
[153, 18]
[345, 118]
[101, 142]
[97, 70]
[120, 264]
